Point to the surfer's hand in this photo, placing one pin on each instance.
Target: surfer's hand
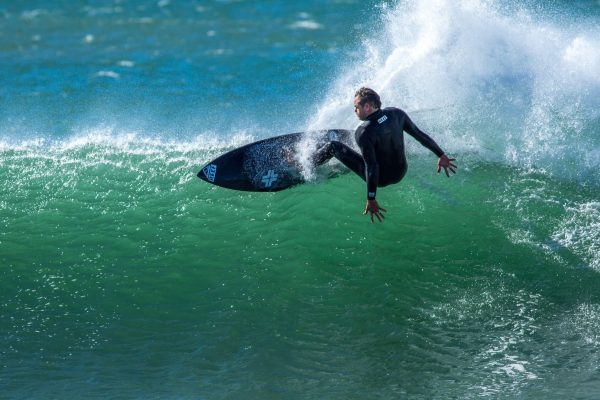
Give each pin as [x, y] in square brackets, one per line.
[446, 163]
[373, 208]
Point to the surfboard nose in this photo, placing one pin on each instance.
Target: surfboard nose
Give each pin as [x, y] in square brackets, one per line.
[208, 173]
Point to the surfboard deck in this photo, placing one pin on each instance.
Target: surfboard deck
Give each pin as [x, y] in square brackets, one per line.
[268, 165]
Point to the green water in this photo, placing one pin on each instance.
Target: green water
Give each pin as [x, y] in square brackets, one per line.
[126, 276]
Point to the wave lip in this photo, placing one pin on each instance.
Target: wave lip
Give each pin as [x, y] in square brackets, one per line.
[115, 140]
[501, 80]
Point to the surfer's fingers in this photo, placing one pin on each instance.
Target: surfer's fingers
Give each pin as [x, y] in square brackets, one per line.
[383, 209]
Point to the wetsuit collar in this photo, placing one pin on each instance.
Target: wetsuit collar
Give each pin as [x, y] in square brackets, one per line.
[375, 116]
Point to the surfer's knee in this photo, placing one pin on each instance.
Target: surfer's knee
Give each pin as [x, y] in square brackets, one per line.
[331, 149]
[337, 148]
[322, 155]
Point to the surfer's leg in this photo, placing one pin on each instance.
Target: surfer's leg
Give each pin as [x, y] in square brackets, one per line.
[344, 154]
[322, 155]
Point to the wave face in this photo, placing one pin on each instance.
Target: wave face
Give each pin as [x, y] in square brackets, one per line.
[122, 275]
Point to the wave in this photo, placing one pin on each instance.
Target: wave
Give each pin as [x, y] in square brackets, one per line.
[98, 161]
[499, 80]
[114, 140]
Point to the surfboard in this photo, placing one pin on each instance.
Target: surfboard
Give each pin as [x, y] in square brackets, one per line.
[268, 165]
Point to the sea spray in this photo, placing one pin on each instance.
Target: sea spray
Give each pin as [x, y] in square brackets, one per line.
[487, 79]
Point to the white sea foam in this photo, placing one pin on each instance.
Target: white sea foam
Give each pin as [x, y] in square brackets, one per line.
[481, 78]
[33, 14]
[584, 323]
[556, 219]
[108, 74]
[110, 140]
[306, 24]
[580, 232]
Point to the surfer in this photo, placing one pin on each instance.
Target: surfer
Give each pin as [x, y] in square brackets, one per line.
[381, 141]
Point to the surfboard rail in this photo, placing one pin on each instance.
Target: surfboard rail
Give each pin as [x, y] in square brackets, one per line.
[268, 165]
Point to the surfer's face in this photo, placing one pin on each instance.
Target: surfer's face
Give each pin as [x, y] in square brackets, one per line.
[359, 109]
[362, 111]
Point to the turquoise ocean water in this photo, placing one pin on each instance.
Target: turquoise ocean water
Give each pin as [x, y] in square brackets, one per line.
[123, 276]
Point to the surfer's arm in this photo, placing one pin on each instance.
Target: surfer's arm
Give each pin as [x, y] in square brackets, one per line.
[372, 178]
[427, 141]
[423, 138]
[367, 149]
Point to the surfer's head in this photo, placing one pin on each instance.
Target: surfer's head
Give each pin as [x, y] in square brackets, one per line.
[366, 102]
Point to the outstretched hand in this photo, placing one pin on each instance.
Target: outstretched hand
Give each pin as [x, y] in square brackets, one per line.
[373, 208]
[446, 163]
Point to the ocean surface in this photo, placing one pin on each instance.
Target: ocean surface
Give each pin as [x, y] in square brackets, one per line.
[124, 276]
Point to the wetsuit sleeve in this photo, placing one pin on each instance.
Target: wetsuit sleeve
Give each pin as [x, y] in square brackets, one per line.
[367, 148]
[412, 129]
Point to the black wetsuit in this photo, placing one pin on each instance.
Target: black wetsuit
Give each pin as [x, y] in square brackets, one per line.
[381, 141]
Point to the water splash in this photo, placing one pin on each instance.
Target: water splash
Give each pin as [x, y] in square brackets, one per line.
[500, 81]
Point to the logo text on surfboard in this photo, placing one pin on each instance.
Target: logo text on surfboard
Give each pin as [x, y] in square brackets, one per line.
[210, 172]
[269, 178]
